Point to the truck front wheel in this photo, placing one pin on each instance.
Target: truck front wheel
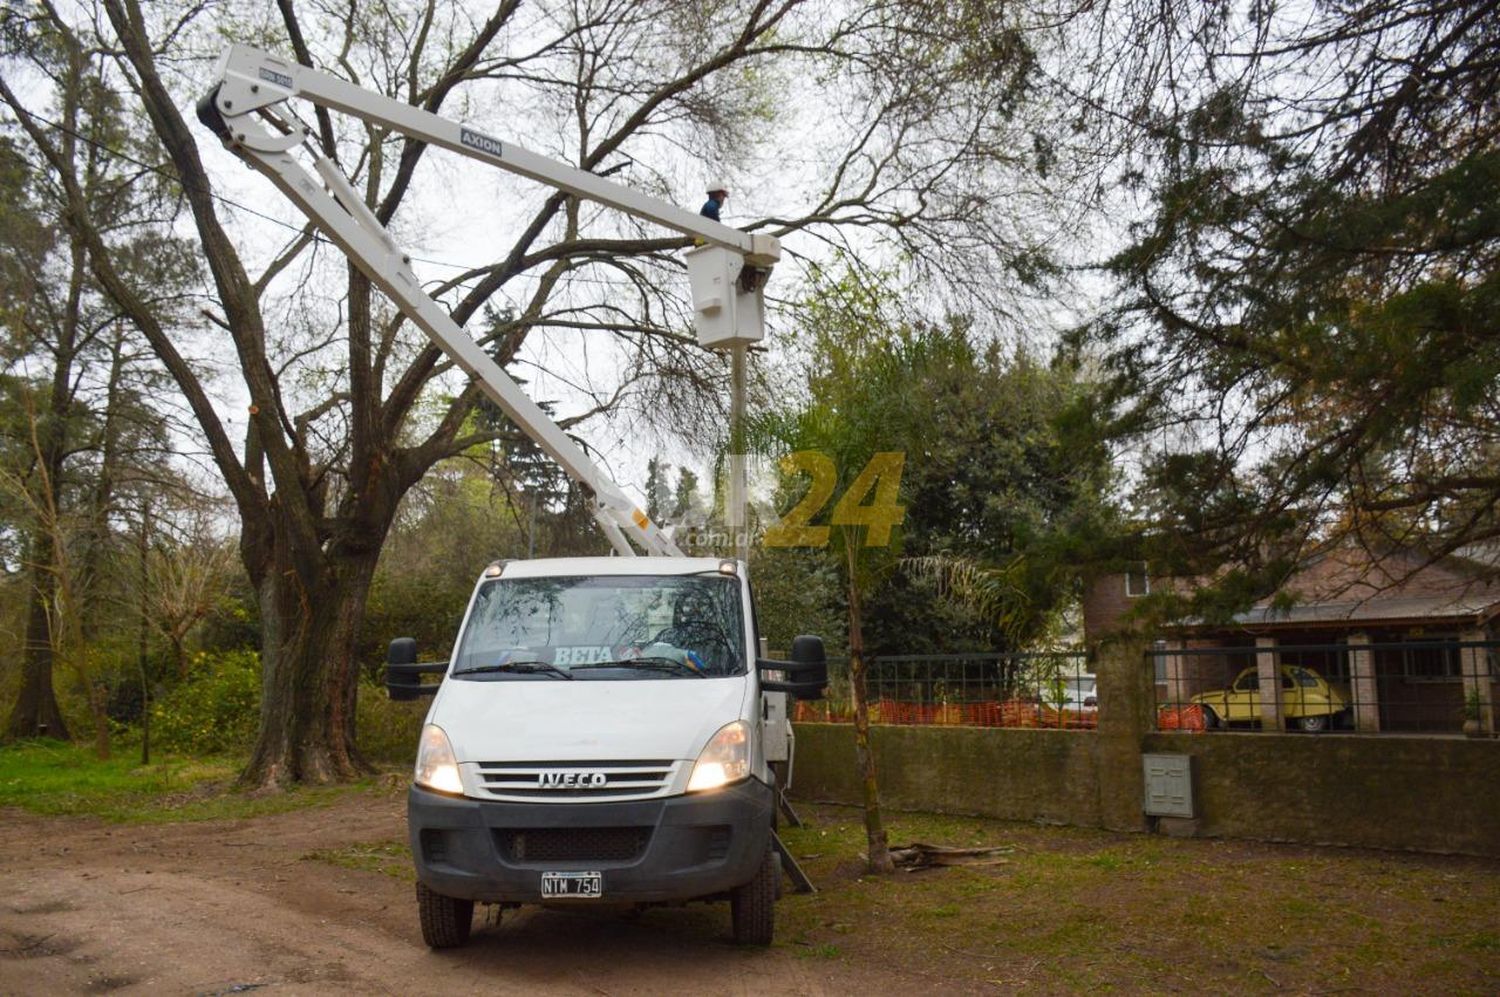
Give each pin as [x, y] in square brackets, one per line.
[446, 921]
[753, 905]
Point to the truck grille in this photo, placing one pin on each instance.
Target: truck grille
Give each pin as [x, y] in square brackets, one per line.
[573, 844]
[574, 781]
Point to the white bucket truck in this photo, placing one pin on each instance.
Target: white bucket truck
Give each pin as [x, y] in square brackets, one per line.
[600, 735]
[606, 729]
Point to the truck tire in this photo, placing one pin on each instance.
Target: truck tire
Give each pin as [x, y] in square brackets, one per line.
[446, 921]
[753, 906]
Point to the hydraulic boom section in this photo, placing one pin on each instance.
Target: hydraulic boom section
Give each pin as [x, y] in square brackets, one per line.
[727, 271]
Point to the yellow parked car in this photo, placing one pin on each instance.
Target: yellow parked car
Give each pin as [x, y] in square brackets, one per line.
[1308, 702]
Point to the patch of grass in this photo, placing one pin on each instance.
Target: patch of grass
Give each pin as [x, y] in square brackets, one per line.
[1483, 941]
[1296, 907]
[820, 952]
[1081, 909]
[389, 858]
[62, 779]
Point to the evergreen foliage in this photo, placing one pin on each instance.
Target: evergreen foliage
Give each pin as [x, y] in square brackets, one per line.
[1304, 350]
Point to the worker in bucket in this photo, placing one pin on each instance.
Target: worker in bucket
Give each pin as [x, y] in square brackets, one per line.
[718, 193]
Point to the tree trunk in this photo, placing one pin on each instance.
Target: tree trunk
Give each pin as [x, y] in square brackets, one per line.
[143, 635]
[310, 673]
[878, 843]
[99, 705]
[179, 655]
[36, 713]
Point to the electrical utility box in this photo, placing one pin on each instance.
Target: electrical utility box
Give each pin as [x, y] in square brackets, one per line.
[1169, 785]
[724, 315]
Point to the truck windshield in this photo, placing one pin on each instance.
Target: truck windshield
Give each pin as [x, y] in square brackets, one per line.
[604, 627]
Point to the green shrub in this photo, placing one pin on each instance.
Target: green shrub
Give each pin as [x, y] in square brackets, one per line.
[385, 731]
[216, 710]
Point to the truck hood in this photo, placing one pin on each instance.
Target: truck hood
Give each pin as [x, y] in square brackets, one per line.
[585, 720]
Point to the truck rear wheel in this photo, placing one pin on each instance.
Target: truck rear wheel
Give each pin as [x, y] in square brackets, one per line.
[753, 906]
[446, 921]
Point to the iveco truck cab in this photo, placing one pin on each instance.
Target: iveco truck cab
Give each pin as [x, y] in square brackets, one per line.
[599, 737]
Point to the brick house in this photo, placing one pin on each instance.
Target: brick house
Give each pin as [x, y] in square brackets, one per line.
[1403, 635]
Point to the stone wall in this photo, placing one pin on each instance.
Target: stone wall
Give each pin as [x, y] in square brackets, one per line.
[1013, 773]
[1438, 794]
[1424, 793]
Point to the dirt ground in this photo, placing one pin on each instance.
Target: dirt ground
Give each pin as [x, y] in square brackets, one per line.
[320, 900]
[226, 907]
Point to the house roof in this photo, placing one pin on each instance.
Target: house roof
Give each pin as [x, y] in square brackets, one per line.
[1390, 610]
[1352, 585]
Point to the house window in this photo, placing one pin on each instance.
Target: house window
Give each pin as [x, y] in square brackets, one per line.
[1432, 664]
[1137, 584]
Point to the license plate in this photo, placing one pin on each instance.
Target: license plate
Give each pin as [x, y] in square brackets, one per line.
[574, 885]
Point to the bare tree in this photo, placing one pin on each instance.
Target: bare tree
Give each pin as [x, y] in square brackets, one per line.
[186, 574]
[78, 414]
[903, 151]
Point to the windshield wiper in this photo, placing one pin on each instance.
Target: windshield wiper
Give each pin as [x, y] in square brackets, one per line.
[651, 664]
[519, 667]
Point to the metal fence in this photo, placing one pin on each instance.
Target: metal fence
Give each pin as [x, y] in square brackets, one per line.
[1031, 689]
[1424, 686]
[1438, 686]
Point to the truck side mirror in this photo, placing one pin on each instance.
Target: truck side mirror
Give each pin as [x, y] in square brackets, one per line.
[403, 651]
[806, 673]
[403, 675]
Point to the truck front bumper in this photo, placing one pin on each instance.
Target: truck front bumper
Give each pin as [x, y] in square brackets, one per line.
[675, 848]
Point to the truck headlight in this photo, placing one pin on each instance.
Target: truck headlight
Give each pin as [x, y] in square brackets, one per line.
[436, 767]
[725, 759]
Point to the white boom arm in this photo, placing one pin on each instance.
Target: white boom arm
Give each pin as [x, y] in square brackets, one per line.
[242, 111]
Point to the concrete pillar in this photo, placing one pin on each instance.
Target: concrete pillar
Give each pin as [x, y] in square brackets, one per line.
[1362, 684]
[1176, 672]
[1474, 664]
[1126, 677]
[1270, 684]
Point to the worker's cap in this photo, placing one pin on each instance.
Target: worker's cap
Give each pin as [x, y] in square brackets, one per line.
[718, 187]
